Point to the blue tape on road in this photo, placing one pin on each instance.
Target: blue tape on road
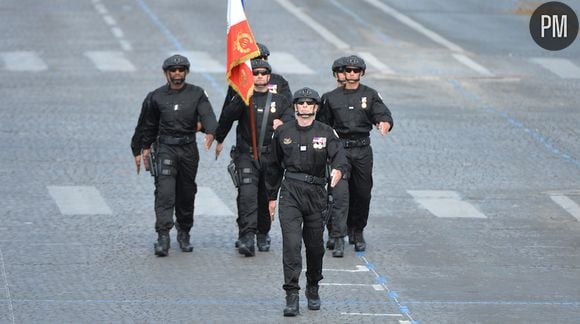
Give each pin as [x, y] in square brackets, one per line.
[393, 294]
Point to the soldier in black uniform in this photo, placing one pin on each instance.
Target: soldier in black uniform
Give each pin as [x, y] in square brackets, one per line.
[253, 216]
[277, 83]
[352, 111]
[301, 150]
[170, 122]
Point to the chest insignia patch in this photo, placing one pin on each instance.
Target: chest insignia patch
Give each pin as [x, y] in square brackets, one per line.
[363, 102]
[175, 107]
[273, 107]
[318, 143]
[273, 88]
[287, 141]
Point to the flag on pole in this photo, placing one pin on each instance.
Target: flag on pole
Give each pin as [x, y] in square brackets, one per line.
[241, 47]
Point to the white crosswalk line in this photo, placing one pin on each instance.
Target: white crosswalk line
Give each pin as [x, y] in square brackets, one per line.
[444, 203]
[23, 61]
[562, 67]
[374, 62]
[208, 203]
[567, 204]
[110, 61]
[472, 64]
[79, 200]
[286, 63]
[203, 62]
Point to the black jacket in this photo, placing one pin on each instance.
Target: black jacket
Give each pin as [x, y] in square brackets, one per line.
[353, 113]
[176, 112]
[303, 150]
[237, 110]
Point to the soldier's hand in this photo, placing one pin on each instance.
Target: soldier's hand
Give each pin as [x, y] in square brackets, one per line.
[384, 128]
[138, 162]
[146, 153]
[335, 176]
[272, 209]
[277, 123]
[199, 127]
[218, 149]
[208, 141]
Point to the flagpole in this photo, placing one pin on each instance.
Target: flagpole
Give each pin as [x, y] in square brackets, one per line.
[253, 130]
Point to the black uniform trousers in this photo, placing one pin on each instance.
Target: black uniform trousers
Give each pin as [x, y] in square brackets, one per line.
[360, 184]
[252, 200]
[300, 212]
[337, 226]
[175, 186]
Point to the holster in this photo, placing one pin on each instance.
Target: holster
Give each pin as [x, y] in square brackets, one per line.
[153, 168]
[232, 168]
[327, 212]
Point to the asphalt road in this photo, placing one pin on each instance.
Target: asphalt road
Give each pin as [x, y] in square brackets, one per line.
[476, 199]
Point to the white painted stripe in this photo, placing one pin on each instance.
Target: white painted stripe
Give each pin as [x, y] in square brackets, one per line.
[568, 204]
[109, 20]
[7, 293]
[359, 268]
[373, 61]
[373, 314]
[302, 15]
[203, 62]
[79, 200]
[375, 286]
[110, 61]
[472, 64]
[208, 203]
[415, 26]
[443, 203]
[101, 8]
[286, 63]
[125, 45]
[23, 61]
[117, 32]
[562, 67]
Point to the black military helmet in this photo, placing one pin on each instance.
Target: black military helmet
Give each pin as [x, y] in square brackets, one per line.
[176, 60]
[260, 63]
[264, 52]
[355, 61]
[306, 93]
[338, 64]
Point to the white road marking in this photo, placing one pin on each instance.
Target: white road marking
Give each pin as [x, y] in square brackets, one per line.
[568, 205]
[203, 62]
[302, 15]
[472, 64]
[359, 268]
[562, 67]
[79, 200]
[5, 279]
[286, 63]
[208, 203]
[375, 286]
[373, 314]
[23, 61]
[373, 61]
[110, 61]
[443, 203]
[110, 21]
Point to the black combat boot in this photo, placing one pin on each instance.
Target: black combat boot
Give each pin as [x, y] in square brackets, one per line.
[292, 305]
[338, 247]
[350, 236]
[247, 245]
[183, 240]
[263, 242]
[312, 297]
[359, 241]
[330, 243]
[162, 245]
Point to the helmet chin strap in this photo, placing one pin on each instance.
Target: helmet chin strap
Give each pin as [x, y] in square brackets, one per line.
[305, 115]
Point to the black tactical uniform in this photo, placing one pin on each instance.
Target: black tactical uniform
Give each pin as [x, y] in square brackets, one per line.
[297, 168]
[137, 138]
[252, 201]
[353, 113]
[171, 122]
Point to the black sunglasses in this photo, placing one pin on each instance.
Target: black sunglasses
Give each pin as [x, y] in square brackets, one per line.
[309, 102]
[355, 70]
[176, 69]
[266, 72]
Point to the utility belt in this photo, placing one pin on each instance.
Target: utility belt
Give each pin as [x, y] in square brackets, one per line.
[363, 141]
[305, 178]
[170, 140]
[262, 149]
